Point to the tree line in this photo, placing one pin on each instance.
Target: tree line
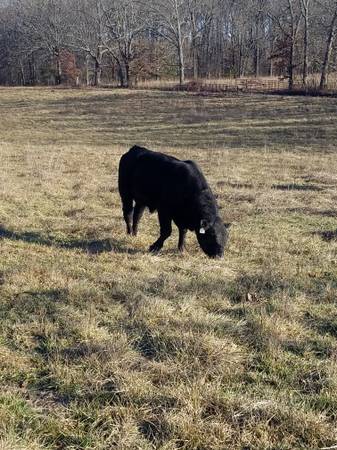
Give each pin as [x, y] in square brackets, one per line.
[102, 41]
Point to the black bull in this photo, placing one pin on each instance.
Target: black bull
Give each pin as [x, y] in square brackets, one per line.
[178, 191]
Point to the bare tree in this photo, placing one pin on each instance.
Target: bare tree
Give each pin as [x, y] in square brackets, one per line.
[170, 19]
[305, 9]
[87, 34]
[260, 32]
[13, 49]
[45, 23]
[332, 31]
[125, 22]
[287, 15]
[200, 15]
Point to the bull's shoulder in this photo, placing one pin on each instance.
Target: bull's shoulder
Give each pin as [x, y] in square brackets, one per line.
[135, 152]
[138, 149]
[191, 163]
[131, 157]
[195, 171]
[144, 154]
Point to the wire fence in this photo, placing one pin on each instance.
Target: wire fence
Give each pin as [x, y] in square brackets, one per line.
[237, 85]
[240, 85]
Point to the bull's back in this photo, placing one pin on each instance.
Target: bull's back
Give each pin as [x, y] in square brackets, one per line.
[154, 179]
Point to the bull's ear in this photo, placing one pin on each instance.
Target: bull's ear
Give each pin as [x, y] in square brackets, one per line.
[227, 225]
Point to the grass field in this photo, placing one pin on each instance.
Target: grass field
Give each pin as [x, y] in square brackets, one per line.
[103, 346]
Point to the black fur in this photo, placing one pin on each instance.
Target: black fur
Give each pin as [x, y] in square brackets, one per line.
[178, 191]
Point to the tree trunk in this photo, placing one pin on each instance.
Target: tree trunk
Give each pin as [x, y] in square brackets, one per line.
[181, 65]
[257, 47]
[22, 74]
[120, 74]
[305, 55]
[327, 55]
[180, 46]
[257, 60]
[233, 70]
[58, 77]
[305, 46]
[240, 63]
[271, 42]
[305, 5]
[194, 47]
[98, 73]
[87, 70]
[32, 71]
[291, 65]
[294, 24]
[128, 82]
[195, 63]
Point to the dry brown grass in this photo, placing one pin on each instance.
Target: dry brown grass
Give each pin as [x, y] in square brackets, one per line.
[315, 78]
[104, 346]
[312, 82]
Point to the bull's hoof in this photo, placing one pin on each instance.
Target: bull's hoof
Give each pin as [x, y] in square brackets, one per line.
[155, 248]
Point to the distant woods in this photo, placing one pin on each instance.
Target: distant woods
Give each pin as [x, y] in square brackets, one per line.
[94, 42]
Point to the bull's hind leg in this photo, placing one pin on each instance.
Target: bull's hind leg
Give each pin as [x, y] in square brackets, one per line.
[182, 236]
[128, 213]
[165, 222]
[137, 215]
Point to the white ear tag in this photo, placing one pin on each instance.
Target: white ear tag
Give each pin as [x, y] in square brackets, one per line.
[202, 231]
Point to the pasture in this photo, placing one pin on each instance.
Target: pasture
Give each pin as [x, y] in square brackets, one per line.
[104, 346]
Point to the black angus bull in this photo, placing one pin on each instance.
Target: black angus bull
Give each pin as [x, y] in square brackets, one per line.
[178, 191]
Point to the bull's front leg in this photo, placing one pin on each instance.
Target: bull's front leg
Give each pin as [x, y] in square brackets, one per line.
[128, 213]
[137, 215]
[165, 222]
[182, 236]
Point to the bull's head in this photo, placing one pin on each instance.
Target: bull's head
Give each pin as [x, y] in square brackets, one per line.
[212, 237]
